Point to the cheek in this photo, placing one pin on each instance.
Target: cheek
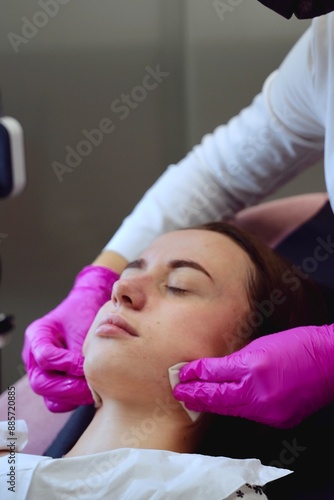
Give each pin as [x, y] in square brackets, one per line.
[89, 337]
[234, 334]
[215, 334]
[85, 345]
[89, 340]
[194, 337]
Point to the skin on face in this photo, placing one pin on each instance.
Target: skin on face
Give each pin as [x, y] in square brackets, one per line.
[183, 299]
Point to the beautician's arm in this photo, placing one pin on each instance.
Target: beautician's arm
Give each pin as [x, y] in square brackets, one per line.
[111, 260]
[280, 134]
[237, 165]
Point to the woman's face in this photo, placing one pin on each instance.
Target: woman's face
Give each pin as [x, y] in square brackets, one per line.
[183, 299]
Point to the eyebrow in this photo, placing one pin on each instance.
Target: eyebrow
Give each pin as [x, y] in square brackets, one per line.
[135, 264]
[174, 264]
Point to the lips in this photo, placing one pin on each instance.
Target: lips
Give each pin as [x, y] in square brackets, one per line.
[113, 324]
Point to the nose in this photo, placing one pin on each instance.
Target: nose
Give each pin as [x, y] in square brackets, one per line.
[128, 293]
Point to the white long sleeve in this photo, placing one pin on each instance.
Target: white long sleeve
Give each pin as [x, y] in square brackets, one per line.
[280, 134]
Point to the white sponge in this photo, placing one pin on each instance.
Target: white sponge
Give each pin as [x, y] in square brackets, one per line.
[174, 379]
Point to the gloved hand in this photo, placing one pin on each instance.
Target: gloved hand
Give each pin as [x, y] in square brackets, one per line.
[52, 345]
[277, 380]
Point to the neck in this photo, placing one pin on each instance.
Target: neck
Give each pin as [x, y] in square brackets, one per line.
[163, 425]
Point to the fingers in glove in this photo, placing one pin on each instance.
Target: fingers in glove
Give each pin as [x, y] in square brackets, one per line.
[68, 404]
[51, 358]
[210, 397]
[57, 386]
[227, 369]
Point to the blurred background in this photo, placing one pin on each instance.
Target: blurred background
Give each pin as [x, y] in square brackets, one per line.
[69, 67]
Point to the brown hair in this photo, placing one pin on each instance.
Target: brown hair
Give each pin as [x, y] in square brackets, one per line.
[279, 298]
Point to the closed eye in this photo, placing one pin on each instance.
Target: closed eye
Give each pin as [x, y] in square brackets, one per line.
[176, 290]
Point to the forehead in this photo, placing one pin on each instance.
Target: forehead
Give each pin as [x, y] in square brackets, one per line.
[208, 248]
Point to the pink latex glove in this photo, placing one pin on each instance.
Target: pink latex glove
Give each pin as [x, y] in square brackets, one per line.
[53, 344]
[277, 380]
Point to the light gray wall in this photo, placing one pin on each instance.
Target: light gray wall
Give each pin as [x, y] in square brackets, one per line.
[62, 79]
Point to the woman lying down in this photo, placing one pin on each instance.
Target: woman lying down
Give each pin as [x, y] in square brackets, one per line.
[193, 293]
